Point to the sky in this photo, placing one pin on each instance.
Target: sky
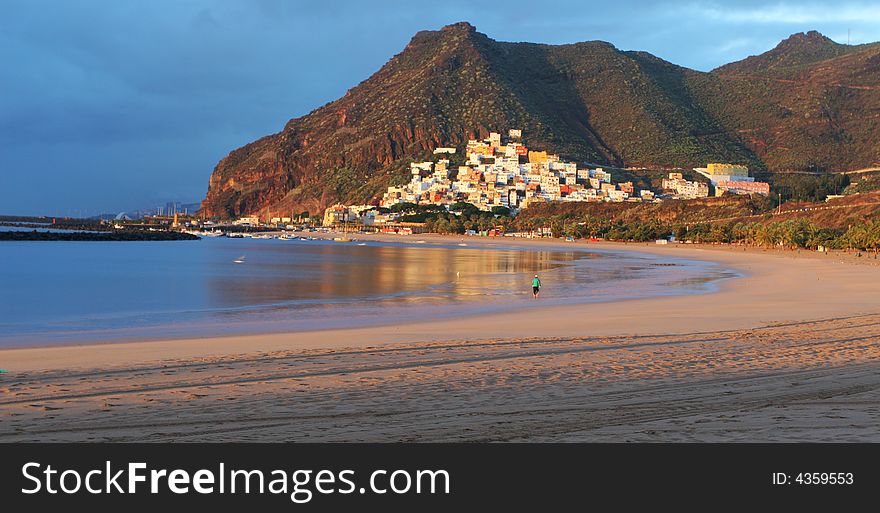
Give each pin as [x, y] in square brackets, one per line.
[110, 106]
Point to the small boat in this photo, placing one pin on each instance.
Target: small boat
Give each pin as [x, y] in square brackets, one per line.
[420, 242]
[239, 260]
[462, 244]
[362, 243]
[341, 239]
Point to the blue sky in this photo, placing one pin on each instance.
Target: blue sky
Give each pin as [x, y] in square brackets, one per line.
[109, 105]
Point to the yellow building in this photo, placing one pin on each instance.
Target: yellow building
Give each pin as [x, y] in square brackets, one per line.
[536, 157]
[336, 214]
[481, 149]
[727, 169]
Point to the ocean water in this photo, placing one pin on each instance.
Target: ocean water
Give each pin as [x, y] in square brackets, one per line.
[72, 292]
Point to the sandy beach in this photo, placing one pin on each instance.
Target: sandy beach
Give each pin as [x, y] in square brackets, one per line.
[788, 352]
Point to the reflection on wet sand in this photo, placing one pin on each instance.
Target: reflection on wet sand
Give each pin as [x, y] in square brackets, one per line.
[328, 273]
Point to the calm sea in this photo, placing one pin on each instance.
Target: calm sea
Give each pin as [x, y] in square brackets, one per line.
[71, 292]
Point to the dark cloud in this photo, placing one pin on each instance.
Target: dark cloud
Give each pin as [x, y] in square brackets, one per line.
[110, 105]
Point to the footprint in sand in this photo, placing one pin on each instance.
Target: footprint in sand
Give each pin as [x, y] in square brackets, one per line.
[44, 407]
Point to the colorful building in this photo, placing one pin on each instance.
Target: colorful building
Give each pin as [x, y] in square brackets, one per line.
[732, 187]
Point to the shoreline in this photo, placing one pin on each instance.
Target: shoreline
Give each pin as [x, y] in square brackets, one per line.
[419, 314]
[750, 300]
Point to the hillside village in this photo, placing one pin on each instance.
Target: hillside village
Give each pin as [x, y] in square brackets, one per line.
[504, 173]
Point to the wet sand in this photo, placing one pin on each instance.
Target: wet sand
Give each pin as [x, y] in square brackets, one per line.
[789, 352]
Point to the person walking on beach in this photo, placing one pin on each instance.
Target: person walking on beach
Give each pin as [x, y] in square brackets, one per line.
[536, 287]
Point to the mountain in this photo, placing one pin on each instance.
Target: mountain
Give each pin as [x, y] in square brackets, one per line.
[586, 101]
[799, 49]
[808, 104]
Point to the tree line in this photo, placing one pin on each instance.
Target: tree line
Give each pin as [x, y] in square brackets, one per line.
[792, 233]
